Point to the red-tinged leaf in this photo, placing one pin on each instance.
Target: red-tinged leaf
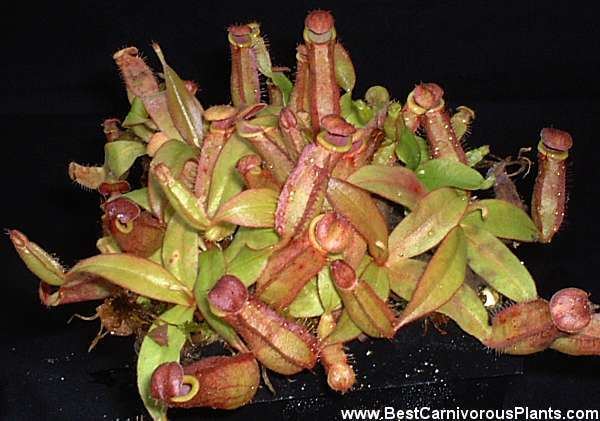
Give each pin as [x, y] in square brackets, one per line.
[443, 276]
[355, 251]
[78, 289]
[136, 274]
[303, 193]
[184, 108]
[211, 149]
[37, 260]
[357, 206]
[494, 262]
[158, 109]
[465, 307]
[250, 208]
[435, 215]
[160, 335]
[397, 184]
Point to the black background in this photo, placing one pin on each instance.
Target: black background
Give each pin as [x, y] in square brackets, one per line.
[521, 65]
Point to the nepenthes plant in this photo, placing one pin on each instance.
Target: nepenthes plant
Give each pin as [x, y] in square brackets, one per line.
[297, 218]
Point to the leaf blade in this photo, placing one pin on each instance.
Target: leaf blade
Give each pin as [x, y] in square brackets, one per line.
[120, 155]
[180, 251]
[443, 276]
[137, 274]
[436, 214]
[394, 183]
[494, 262]
[357, 206]
[251, 208]
[437, 173]
[503, 219]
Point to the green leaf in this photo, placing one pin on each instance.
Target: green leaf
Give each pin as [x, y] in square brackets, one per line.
[377, 277]
[330, 299]
[226, 181]
[121, 154]
[467, 310]
[137, 114]
[494, 262]
[443, 276]
[437, 173]
[344, 69]
[248, 264]
[435, 215]
[174, 154]
[250, 208]
[363, 111]
[180, 251]
[212, 268]
[359, 208]
[254, 238]
[385, 154]
[107, 244]
[307, 303]
[181, 198]
[475, 156]
[345, 331]
[407, 148]
[139, 196]
[404, 276]
[394, 112]
[377, 97]
[37, 260]
[397, 184]
[138, 275]
[354, 112]
[280, 80]
[184, 108]
[503, 219]
[152, 355]
[423, 149]
[465, 307]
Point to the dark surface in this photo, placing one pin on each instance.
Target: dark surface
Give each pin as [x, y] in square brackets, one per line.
[520, 66]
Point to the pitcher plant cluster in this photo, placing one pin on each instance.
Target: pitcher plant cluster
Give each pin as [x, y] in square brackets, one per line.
[297, 219]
